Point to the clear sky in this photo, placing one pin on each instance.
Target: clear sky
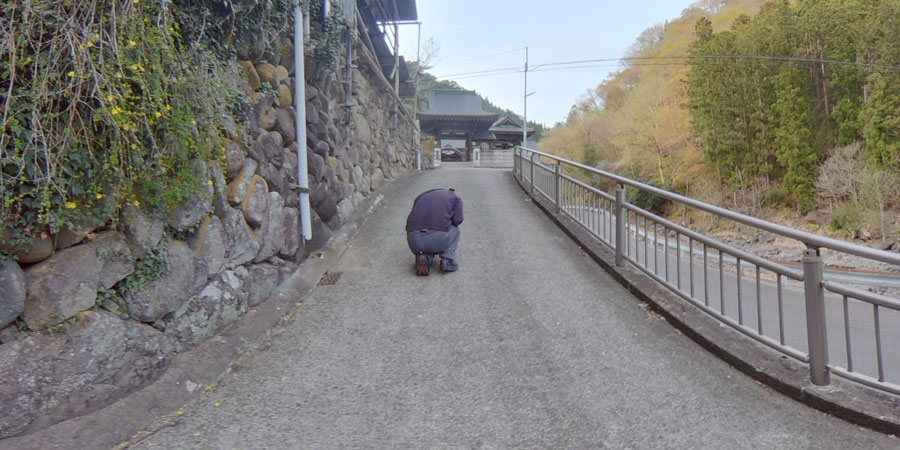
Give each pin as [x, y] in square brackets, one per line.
[477, 35]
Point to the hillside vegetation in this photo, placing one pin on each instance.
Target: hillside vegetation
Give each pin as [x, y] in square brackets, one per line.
[780, 109]
[106, 104]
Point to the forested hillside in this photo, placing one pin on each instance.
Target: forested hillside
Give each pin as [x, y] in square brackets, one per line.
[770, 108]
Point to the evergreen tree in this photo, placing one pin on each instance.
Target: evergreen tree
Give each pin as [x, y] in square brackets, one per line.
[793, 141]
[880, 118]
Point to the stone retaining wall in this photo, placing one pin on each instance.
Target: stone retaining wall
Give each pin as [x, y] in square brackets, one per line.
[225, 250]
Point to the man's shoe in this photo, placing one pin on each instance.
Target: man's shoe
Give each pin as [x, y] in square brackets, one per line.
[423, 265]
[449, 265]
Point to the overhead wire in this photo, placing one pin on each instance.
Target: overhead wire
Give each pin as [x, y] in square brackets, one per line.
[476, 58]
[587, 63]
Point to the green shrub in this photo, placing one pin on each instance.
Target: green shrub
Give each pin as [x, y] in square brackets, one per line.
[102, 104]
[846, 218]
[646, 200]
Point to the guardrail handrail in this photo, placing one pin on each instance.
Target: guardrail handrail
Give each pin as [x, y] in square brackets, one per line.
[811, 240]
[621, 231]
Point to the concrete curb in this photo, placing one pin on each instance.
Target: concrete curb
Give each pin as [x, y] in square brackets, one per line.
[852, 402]
[198, 370]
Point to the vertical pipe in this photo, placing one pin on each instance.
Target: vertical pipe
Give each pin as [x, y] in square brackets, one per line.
[705, 275]
[815, 317]
[558, 175]
[646, 261]
[847, 335]
[620, 222]
[721, 282]
[739, 300]
[691, 264]
[780, 311]
[396, 60]
[300, 104]
[759, 317]
[666, 250]
[416, 98]
[637, 249]
[655, 248]
[627, 249]
[678, 259]
[532, 173]
[418, 70]
[878, 355]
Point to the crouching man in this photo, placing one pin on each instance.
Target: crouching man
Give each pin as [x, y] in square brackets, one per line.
[432, 228]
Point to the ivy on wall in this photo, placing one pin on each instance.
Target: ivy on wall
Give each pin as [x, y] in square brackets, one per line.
[101, 104]
[108, 102]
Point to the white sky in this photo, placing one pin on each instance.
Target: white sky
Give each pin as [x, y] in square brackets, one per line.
[471, 34]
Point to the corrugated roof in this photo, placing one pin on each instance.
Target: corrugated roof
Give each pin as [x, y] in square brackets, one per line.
[384, 10]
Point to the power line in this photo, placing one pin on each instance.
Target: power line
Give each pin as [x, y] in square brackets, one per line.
[504, 69]
[474, 12]
[545, 67]
[476, 58]
[747, 57]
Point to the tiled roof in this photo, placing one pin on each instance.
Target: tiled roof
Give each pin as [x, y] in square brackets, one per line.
[508, 124]
[449, 102]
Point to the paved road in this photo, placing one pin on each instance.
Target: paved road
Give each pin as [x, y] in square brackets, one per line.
[792, 322]
[529, 345]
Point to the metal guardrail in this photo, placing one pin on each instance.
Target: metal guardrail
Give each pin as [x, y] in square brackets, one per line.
[786, 308]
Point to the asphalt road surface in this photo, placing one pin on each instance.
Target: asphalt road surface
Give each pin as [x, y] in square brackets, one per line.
[711, 286]
[528, 345]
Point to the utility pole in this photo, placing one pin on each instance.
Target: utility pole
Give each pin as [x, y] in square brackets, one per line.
[525, 99]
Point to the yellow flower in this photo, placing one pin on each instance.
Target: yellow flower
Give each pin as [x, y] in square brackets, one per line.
[131, 43]
[72, 73]
[137, 1]
[110, 97]
[71, 205]
[217, 404]
[158, 114]
[209, 182]
[116, 110]
[120, 75]
[99, 195]
[135, 203]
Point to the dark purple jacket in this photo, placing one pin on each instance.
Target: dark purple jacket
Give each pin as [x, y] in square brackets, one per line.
[436, 209]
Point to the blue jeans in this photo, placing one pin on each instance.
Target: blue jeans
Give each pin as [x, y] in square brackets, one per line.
[435, 241]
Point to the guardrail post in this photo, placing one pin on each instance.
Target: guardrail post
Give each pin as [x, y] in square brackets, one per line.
[620, 224]
[815, 317]
[558, 178]
[532, 173]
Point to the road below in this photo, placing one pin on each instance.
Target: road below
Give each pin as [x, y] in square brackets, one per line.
[529, 344]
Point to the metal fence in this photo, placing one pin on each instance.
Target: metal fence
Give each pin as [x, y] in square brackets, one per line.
[834, 327]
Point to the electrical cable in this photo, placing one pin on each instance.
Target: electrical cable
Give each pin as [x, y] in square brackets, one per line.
[546, 67]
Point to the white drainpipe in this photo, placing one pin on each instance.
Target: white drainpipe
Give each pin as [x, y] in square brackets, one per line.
[300, 102]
